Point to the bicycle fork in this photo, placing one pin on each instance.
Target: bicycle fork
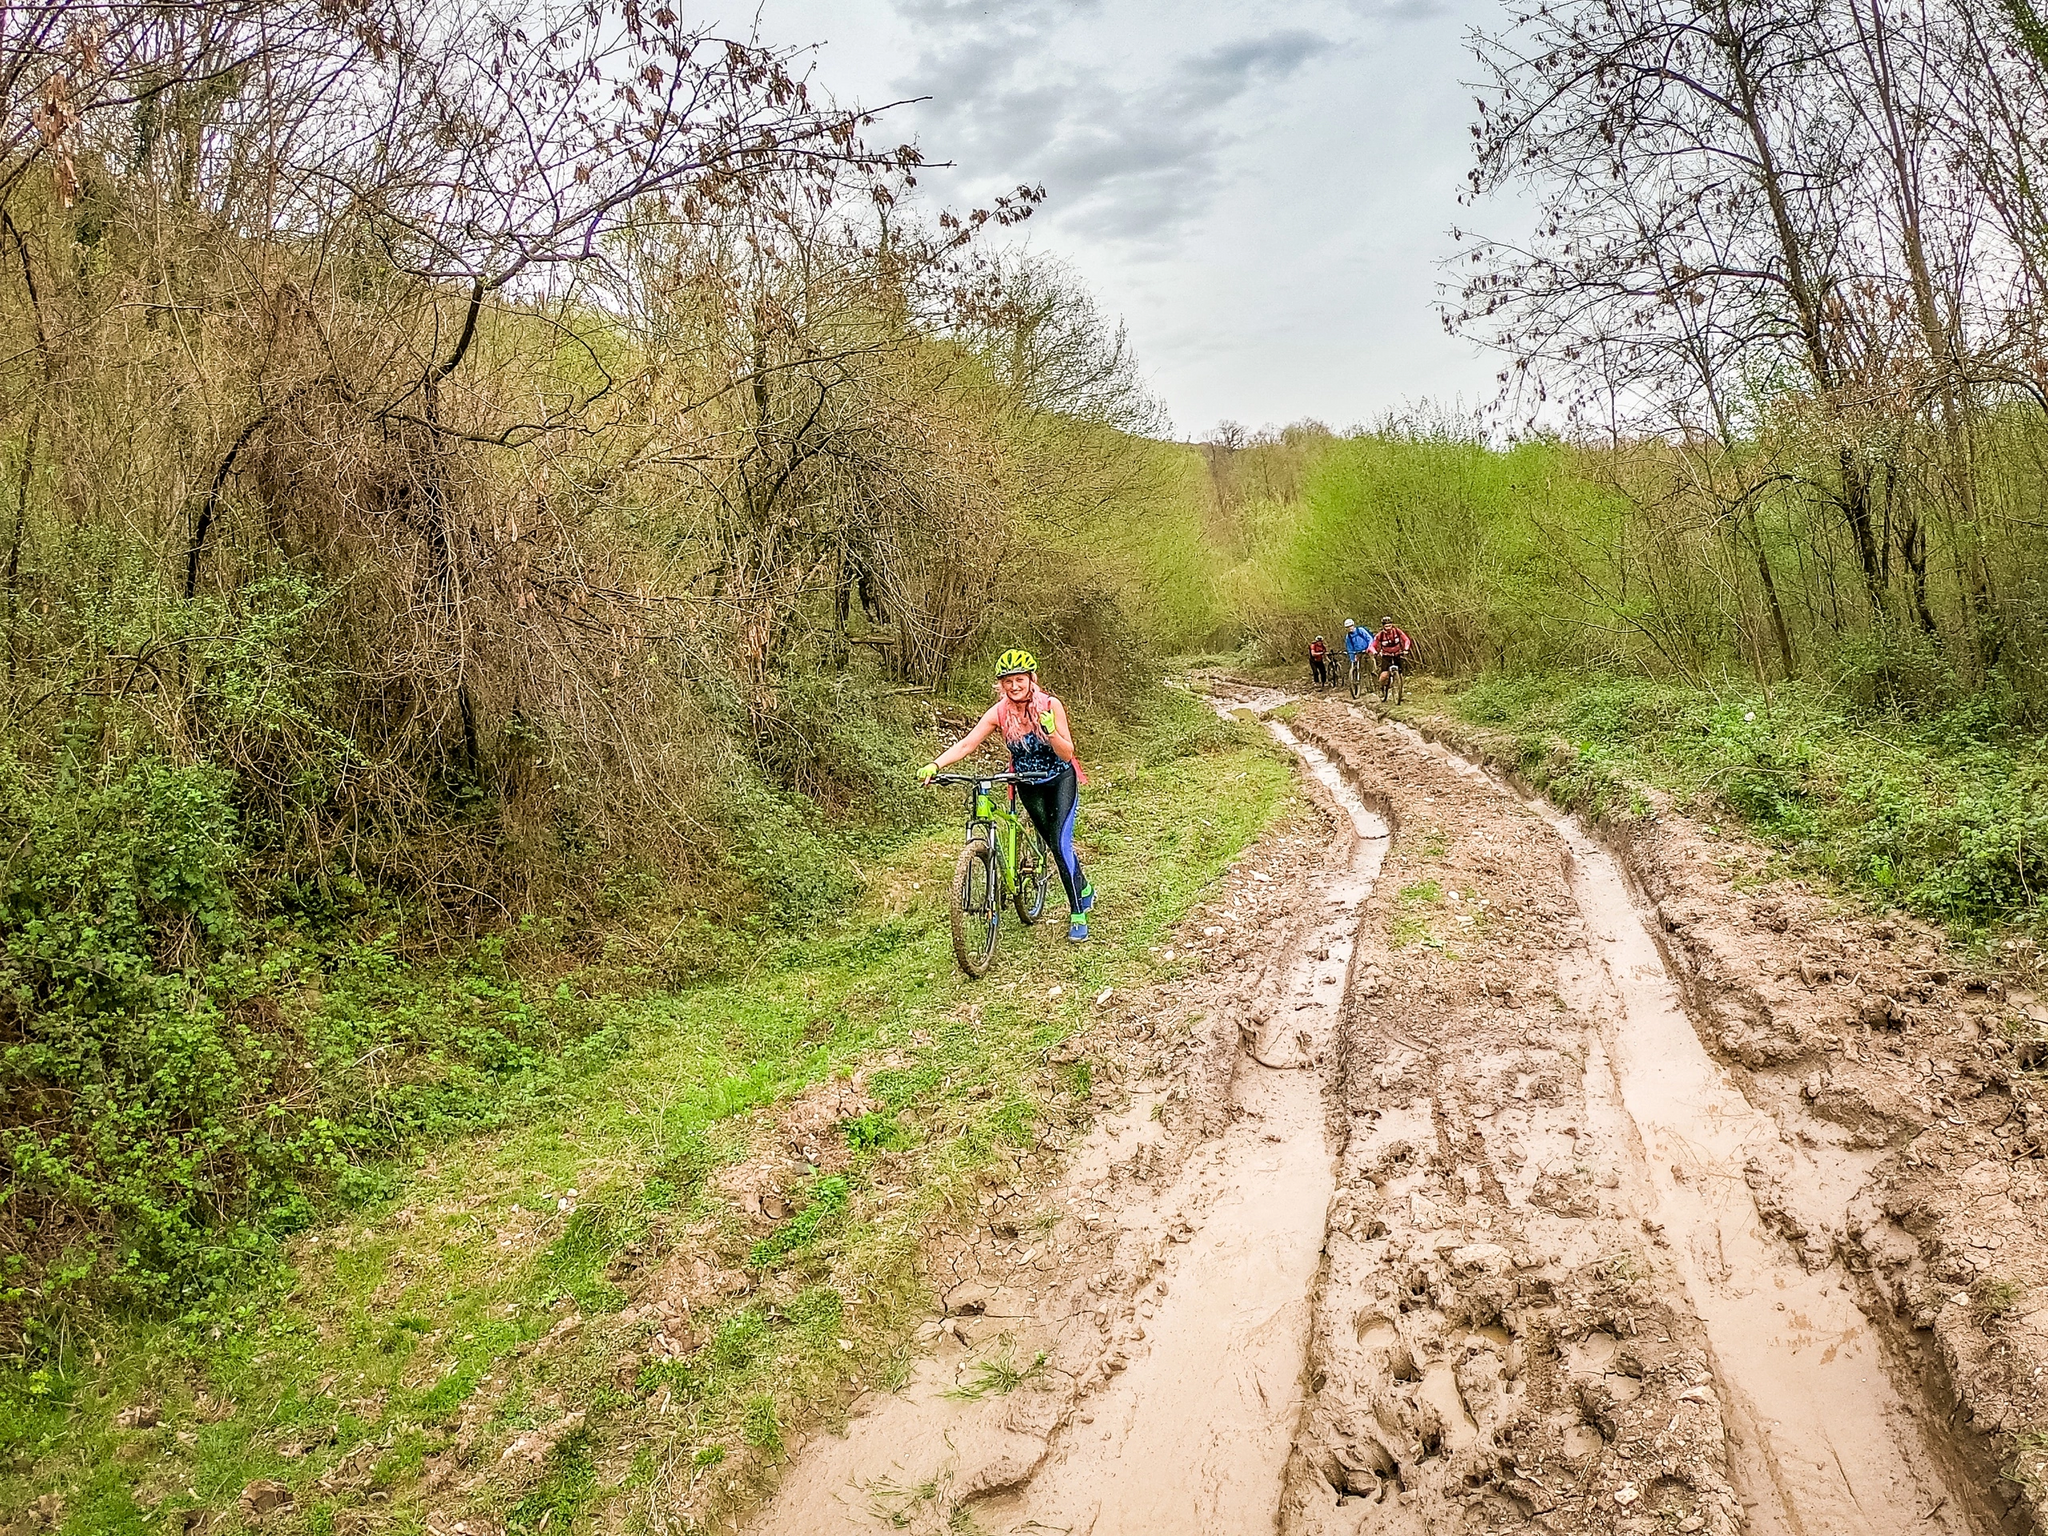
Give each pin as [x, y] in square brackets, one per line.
[1001, 832]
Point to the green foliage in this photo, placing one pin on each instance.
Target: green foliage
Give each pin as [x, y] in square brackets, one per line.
[1410, 923]
[874, 1131]
[997, 1375]
[1461, 542]
[1995, 1297]
[181, 1084]
[1938, 810]
[762, 1426]
[487, 1247]
[824, 1205]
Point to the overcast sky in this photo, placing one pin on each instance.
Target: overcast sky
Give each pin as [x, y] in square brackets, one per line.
[1263, 193]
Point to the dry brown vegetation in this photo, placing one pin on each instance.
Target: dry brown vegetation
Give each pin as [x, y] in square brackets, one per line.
[498, 411]
[462, 463]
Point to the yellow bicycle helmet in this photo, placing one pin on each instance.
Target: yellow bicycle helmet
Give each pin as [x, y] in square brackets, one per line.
[1012, 662]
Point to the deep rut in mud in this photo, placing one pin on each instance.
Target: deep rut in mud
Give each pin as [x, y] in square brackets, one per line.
[1552, 1234]
[1441, 1219]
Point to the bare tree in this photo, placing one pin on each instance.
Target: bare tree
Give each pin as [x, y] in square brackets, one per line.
[1772, 233]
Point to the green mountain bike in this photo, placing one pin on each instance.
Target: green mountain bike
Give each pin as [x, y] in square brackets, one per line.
[1004, 861]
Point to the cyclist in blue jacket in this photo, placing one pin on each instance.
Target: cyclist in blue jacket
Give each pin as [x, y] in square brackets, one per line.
[1357, 642]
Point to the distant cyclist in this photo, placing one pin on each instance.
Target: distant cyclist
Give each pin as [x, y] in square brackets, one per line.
[1041, 742]
[1319, 662]
[1357, 645]
[1391, 644]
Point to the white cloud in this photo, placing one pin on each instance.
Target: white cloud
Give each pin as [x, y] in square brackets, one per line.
[1124, 152]
[1262, 192]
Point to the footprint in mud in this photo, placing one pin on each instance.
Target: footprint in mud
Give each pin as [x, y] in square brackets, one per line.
[1483, 1383]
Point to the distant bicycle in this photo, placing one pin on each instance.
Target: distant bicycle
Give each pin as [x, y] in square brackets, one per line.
[1003, 861]
[1356, 658]
[1390, 680]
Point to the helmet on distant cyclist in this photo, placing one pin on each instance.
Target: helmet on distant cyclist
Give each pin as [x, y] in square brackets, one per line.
[1388, 619]
[1013, 662]
[1350, 624]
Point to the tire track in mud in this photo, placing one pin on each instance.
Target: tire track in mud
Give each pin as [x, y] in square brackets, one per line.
[1551, 1295]
[1441, 1220]
[1170, 1389]
[1196, 1434]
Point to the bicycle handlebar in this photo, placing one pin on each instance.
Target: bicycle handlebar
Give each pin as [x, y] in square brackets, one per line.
[992, 779]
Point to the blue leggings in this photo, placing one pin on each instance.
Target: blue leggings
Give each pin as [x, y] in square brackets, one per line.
[1051, 804]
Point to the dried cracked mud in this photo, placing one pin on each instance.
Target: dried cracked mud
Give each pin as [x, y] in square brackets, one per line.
[1493, 1175]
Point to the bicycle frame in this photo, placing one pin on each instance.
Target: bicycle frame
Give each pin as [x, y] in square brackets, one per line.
[1002, 826]
[990, 872]
[989, 814]
[1391, 670]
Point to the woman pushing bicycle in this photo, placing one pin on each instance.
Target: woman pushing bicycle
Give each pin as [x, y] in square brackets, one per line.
[1041, 742]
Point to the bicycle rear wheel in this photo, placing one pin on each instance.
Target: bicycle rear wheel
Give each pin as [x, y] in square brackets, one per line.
[975, 903]
[1034, 879]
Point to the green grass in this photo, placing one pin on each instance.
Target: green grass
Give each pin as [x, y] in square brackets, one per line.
[2029, 1464]
[1941, 813]
[1410, 923]
[1995, 1297]
[997, 1375]
[416, 1333]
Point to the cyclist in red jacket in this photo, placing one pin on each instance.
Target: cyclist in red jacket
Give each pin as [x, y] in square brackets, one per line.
[1390, 644]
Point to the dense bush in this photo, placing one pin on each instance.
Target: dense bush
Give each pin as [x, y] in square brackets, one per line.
[181, 1081]
[399, 580]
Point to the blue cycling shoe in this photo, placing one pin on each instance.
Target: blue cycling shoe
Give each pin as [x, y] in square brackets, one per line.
[1077, 928]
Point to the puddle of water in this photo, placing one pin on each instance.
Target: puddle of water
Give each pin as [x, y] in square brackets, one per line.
[1825, 1440]
[1369, 825]
[1194, 1434]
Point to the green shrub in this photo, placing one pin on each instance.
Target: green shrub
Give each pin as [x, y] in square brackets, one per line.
[181, 1085]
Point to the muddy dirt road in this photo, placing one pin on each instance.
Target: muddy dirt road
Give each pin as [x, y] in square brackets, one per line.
[1429, 1210]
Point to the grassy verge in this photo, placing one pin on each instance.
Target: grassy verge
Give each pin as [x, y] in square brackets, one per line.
[1941, 813]
[462, 1349]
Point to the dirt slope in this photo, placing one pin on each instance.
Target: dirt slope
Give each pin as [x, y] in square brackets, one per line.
[1468, 1190]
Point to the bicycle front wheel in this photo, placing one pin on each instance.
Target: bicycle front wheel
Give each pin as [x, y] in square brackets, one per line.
[976, 907]
[1355, 669]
